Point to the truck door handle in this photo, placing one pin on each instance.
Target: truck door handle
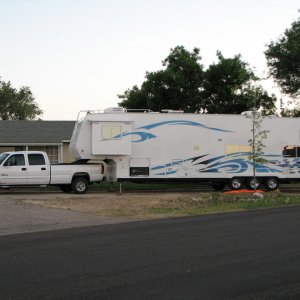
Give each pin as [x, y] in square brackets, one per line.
[24, 169]
[44, 169]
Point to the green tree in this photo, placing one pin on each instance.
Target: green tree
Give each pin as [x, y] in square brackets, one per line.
[225, 87]
[283, 60]
[176, 87]
[17, 104]
[229, 87]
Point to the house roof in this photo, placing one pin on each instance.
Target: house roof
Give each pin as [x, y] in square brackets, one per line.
[35, 132]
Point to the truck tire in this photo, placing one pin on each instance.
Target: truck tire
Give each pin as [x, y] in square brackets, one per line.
[271, 184]
[79, 185]
[235, 183]
[66, 188]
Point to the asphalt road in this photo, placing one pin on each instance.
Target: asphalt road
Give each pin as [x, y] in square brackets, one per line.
[250, 255]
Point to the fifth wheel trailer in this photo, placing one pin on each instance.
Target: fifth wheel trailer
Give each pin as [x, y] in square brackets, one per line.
[173, 146]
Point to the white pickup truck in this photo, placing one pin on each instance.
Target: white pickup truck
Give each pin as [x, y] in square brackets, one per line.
[32, 168]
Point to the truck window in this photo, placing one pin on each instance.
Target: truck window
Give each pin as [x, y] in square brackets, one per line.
[2, 157]
[36, 159]
[15, 160]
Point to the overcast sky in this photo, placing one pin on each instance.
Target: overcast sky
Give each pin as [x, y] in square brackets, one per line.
[79, 54]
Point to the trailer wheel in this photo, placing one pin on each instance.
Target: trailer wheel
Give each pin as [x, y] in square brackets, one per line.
[218, 186]
[66, 188]
[271, 184]
[252, 184]
[79, 185]
[235, 183]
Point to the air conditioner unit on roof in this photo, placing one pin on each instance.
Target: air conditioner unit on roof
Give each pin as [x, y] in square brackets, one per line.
[114, 110]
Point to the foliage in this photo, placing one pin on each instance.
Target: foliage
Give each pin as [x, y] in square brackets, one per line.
[17, 104]
[283, 60]
[257, 141]
[183, 84]
[176, 87]
[289, 112]
[228, 88]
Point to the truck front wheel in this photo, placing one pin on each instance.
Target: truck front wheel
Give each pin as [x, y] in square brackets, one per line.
[79, 185]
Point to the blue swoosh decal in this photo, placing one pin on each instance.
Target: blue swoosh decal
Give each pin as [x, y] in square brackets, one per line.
[182, 122]
[142, 136]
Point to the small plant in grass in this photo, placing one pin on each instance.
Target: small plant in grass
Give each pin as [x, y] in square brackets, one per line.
[259, 135]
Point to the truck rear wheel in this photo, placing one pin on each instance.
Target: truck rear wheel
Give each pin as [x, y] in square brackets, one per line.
[79, 185]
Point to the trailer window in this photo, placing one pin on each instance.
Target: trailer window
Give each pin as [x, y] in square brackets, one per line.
[111, 132]
[230, 149]
[291, 151]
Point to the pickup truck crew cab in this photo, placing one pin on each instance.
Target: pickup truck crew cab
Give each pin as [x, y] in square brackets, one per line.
[32, 168]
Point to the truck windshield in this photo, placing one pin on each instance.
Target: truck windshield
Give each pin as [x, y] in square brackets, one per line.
[2, 157]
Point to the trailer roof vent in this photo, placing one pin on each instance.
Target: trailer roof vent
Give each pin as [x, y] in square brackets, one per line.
[111, 110]
[250, 113]
[171, 111]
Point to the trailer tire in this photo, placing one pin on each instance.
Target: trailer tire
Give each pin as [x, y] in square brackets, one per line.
[271, 184]
[250, 183]
[79, 185]
[66, 188]
[235, 183]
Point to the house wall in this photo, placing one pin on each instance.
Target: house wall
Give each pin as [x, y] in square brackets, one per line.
[57, 154]
[6, 148]
[67, 156]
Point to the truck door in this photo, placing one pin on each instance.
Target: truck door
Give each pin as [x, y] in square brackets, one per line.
[14, 171]
[38, 170]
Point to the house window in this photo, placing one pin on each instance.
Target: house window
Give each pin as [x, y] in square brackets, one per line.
[52, 152]
[291, 151]
[111, 132]
[20, 148]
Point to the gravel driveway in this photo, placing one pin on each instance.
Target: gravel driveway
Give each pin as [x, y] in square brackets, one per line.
[19, 217]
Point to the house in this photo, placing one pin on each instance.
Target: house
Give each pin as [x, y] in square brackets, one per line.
[53, 137]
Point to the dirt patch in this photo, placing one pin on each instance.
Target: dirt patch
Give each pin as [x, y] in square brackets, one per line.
[132, 206]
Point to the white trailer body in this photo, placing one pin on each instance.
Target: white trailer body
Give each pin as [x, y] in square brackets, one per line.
[178, 146]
